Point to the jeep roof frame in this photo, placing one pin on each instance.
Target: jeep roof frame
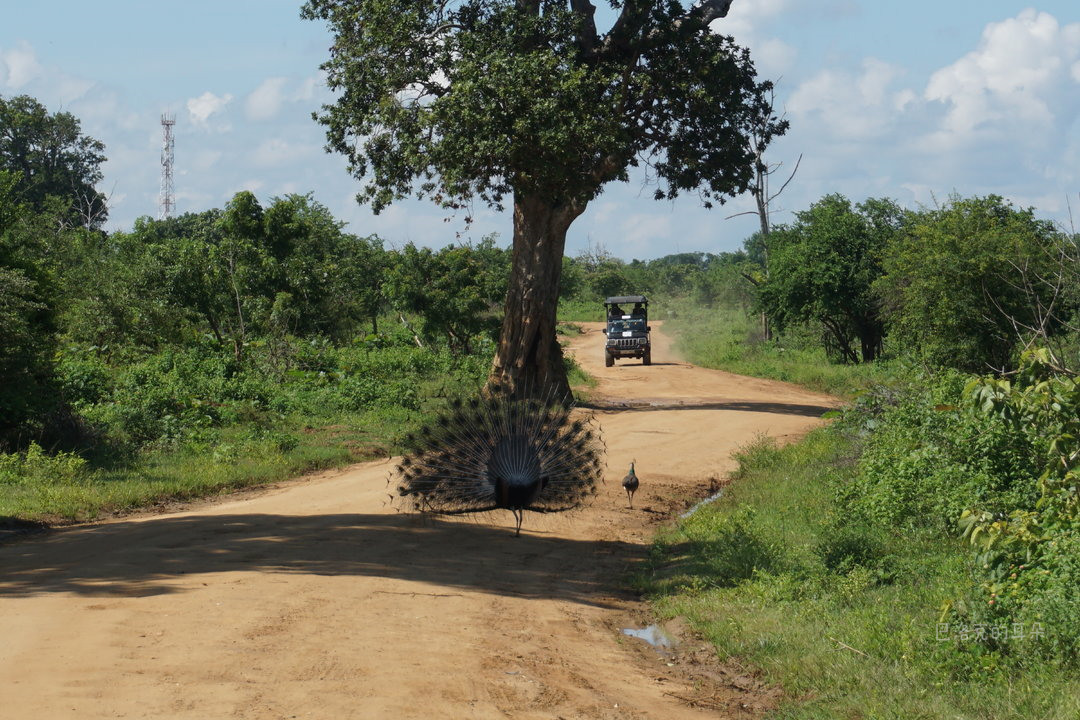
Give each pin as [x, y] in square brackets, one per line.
[626, 300]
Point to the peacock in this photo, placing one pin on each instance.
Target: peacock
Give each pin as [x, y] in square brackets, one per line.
[630, 484]
[494, 452]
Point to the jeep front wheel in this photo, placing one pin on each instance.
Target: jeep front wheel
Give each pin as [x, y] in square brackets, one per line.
[609, 359]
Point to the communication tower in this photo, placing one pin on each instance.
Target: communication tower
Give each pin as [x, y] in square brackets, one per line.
[166, 202]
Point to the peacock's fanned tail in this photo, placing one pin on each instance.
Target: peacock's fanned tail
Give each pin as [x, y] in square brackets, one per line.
[494, 452]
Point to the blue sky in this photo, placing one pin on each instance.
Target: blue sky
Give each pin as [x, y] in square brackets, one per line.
[911, 101]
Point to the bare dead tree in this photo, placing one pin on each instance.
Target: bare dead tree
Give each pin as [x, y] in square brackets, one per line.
[1050, 286]
[90, 206]
[760, 137]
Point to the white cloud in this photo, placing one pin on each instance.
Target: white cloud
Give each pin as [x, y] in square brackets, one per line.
[206, 105]
[744, 18]
[19, 66]
[748, 23]
[1001, 118]
[204, 160]
[189, 200]
[21, 71]
[851, 106]
[1018, 75]
[309, 87]
[101, 109]
[641, 233]
[265, 101]
[277, 152]
[772, 57]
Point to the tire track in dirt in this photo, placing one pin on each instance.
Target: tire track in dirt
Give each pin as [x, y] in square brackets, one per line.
[315, 599]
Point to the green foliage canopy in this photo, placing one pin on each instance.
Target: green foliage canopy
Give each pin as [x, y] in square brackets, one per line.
[822, 269]
[52, 160]
[27, 330]
[241, 273]
[967, 281]
[482, 98]
[456, 290]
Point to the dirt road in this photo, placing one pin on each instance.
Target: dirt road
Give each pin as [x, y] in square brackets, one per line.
[314, 599]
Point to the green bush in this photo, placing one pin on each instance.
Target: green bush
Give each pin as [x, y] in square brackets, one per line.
[965, 277]
[994, 458]
[1028, 558]
[34, 466]
[85, 378]
[927, 459]
[729, 548]
[847, 546]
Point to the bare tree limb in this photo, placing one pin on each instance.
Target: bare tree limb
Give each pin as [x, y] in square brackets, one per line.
[790, 178]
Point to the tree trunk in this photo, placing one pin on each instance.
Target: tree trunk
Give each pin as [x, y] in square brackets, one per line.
[871, 340]
[529, 361]
[759, 191]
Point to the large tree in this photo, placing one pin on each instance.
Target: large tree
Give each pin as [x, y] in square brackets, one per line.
[971, 282]
[824, 266]
[53, 161]
[27, 331]
[480, 100]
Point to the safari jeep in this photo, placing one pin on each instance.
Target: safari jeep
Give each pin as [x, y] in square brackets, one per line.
[627, 329]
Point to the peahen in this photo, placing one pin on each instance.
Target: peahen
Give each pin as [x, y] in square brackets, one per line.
[494, 452]
[630, 484]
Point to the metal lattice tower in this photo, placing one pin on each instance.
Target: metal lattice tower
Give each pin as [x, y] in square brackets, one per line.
[166, 202]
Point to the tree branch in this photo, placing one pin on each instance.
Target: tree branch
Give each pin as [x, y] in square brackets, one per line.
[587, 37]
[790, 178]
[707, 11]
[628, 22]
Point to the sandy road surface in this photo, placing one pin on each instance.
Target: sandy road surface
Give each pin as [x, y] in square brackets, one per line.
[315, 599]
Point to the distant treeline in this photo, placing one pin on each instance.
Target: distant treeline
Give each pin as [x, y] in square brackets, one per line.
[253, 286]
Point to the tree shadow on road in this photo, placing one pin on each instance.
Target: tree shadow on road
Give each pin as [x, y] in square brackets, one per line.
[174, 554]
[648, 405]
[12, 528]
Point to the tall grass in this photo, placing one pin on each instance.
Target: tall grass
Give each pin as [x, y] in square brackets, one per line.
[184, 424]
[841, 609]
[574, 310]
[841, 615]
[731, 338]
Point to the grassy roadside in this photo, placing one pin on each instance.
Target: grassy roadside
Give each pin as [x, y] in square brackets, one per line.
[845, 613]
[844, 618]
[581, 381]
[241, 456]
[727, 338]
[182, 427]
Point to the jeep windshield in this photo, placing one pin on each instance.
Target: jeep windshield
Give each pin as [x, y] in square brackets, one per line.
[632, 325]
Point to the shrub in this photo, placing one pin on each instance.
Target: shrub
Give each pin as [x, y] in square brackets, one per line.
[730, 547]
[34, 466]
[927, 459]
[84, 379]
[1028, 559]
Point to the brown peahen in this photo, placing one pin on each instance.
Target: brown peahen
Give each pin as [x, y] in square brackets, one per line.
[630, 484]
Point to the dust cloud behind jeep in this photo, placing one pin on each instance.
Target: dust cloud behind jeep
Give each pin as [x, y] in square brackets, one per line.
[627, 332]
